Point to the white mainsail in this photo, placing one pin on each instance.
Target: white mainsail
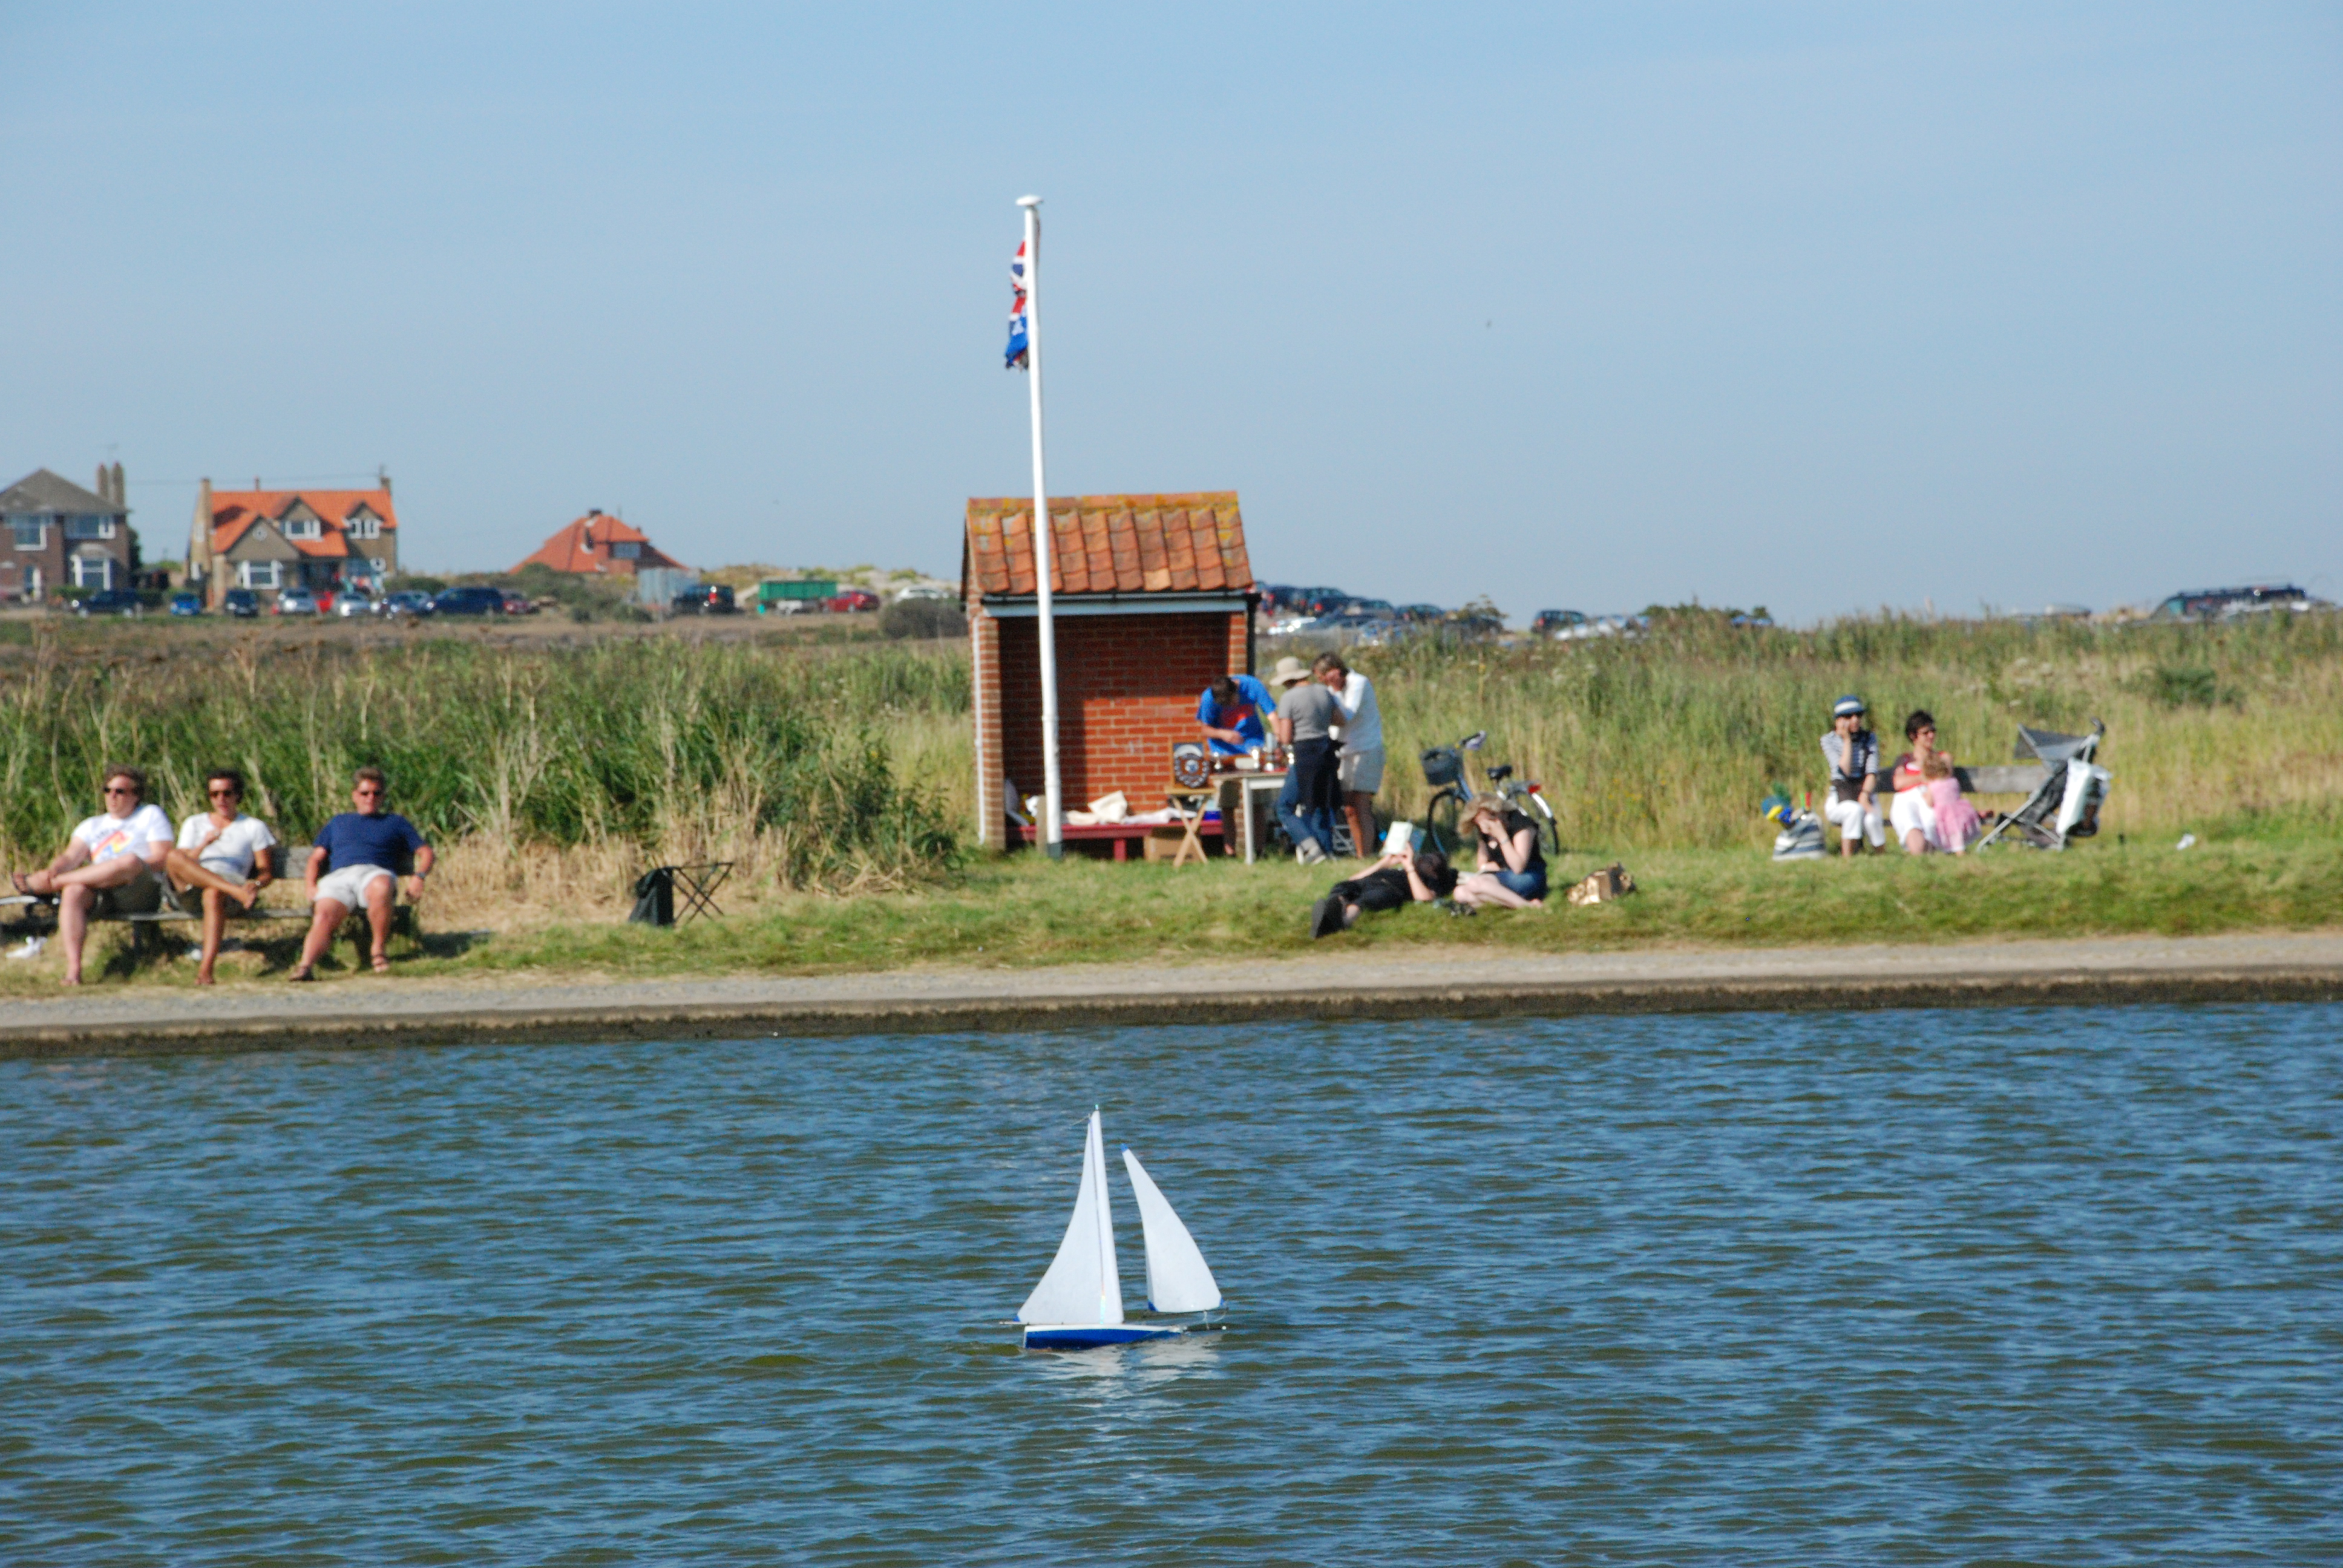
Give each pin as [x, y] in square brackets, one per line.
[1082, 1286]
[1178, 1281]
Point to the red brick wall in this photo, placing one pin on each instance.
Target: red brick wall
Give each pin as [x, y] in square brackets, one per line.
[1127, 689]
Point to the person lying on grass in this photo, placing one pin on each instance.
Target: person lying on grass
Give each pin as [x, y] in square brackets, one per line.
[350, 868]
[224, 854]
[1511, 869]
[1423, 876]
[109, 865]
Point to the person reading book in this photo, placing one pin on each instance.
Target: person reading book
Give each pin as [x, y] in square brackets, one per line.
[1405, 875]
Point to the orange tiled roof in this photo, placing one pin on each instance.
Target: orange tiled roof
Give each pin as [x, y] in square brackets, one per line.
[1110, 544]
[235, 511]
[584, 546]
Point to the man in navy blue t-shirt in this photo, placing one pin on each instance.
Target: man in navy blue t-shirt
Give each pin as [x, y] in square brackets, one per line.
[356, 864]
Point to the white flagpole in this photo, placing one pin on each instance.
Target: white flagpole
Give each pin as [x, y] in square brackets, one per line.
[1053, 814]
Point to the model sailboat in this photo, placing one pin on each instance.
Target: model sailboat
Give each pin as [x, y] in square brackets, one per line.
[1078, 1302]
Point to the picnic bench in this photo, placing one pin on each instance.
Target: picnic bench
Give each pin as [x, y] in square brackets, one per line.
[1122, 835]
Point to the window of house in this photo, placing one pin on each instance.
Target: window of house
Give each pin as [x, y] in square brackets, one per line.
[258, 574]
[365, 525]
[626, 552]
[32, 533]
[300, 527]
[92, 571]
[89, 527]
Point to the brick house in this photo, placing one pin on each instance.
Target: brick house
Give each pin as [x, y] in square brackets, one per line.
[596, 545]
[54, 533]
[272, 539]
[1153, 597]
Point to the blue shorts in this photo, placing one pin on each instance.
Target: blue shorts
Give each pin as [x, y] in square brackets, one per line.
[1528, 884]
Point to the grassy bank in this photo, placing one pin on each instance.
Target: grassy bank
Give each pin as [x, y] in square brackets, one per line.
[1022, 912]
[552, 773]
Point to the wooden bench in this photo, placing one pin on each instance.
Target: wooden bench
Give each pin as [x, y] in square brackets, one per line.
[39, 913]
[1122, 835]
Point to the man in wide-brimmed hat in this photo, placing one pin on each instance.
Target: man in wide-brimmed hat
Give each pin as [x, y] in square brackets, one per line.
[1307, 713]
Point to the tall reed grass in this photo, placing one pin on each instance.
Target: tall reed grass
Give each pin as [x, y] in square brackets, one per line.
[652, 749]
[1670, 740]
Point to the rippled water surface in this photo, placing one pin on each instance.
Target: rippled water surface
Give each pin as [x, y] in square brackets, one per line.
[2060, 1286]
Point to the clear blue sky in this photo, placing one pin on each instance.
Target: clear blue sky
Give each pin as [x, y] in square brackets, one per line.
[1819, 307]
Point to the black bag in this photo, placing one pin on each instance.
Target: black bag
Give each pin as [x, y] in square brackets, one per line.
[654, 898]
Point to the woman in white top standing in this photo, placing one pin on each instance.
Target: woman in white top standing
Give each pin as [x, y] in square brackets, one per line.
[227, 854]
[108, 867]
[1360, 768]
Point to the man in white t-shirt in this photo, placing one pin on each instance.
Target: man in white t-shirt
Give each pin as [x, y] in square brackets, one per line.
[108, 867]
[1360, 767]
[225, 853]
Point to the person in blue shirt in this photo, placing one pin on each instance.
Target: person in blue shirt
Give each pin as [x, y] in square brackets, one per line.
[354, 865]
[1231, 713]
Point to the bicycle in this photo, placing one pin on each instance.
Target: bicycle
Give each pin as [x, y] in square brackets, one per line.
[1444, 770]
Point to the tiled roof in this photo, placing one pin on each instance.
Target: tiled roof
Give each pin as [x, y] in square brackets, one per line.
[1110, 544]
[584, 546]
[42, 491]
[235, 511]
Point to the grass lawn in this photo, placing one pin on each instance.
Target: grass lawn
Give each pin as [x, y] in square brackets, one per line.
[1024, 912]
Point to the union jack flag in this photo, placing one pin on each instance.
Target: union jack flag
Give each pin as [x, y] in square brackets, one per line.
[1018, 346]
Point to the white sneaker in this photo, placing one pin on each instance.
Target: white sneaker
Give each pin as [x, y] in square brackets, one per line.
[1308, 853]
[31, 949]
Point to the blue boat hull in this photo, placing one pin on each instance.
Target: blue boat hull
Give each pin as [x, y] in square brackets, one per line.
[1078, 1337]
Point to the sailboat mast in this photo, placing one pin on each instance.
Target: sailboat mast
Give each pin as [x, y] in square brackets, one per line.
[1108, 1286]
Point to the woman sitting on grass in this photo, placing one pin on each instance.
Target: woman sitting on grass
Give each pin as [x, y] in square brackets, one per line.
[1511, 870]
[1423, 876]
[1912, 815]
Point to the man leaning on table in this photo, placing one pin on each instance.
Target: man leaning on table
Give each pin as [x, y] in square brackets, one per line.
[351, 868]
[1231, 712]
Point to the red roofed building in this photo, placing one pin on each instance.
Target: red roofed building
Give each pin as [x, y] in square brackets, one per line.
[1152, 600]
[272, 539]
[596, 544]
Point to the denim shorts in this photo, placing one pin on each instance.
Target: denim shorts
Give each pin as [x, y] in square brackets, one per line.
[1528, 884]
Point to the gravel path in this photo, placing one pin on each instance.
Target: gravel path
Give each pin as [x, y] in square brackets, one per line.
[362, 1008]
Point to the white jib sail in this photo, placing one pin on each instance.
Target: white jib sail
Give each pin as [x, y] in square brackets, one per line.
[1178, 1281]
[1082, 1286]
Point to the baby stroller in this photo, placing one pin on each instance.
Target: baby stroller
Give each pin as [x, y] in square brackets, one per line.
[2066, 805]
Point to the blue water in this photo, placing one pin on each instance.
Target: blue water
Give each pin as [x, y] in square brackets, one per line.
[2062, 1286]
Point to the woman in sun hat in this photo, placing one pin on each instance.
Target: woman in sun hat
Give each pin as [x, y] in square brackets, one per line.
[1306, 716]
[1851, 752]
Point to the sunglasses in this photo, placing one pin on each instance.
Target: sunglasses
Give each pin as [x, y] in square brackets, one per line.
[120, 789]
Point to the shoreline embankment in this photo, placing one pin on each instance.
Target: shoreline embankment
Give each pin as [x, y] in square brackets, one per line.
[364, 1010]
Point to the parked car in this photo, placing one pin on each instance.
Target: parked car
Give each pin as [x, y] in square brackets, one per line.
[1420, 614]
[296, 602]
[349, 604]
[242, 603]
[472, 600]
[1375, 606]
[925, 590]
[519, 603]
[110, 601]
[2221, 604]
[708, 599]
[186, 604]
[408, 601]
[1316, 601]
[1558, 623]
[849, 601]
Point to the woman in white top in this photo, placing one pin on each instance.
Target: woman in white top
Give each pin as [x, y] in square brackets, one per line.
[108, 867]
[227, 854]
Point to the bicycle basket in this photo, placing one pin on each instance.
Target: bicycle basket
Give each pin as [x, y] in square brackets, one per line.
[1442, 765]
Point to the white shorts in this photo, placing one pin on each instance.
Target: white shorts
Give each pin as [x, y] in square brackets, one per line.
[1362, 772]
[347, 886]
[1911, 811]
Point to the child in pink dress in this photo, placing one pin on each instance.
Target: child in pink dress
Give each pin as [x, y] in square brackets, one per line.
[1957, 822]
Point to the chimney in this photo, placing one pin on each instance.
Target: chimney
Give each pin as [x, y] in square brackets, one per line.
[121, 492]
[382, 473]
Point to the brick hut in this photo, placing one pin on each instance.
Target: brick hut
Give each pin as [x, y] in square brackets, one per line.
[1153, 599]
